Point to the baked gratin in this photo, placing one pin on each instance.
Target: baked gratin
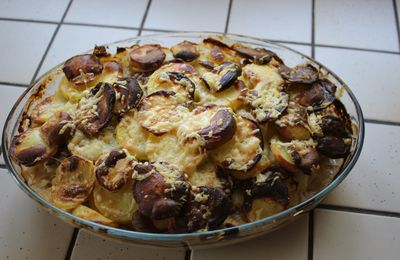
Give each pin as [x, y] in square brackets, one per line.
[195, 137]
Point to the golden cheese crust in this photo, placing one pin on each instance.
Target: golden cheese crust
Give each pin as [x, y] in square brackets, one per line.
[240, 136]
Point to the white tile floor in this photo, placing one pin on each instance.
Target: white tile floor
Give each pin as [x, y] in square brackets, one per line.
[361, 219]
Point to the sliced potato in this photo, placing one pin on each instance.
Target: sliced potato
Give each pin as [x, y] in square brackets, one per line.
[92, 147]
[233, 97]
[57, 129]
[73, 182]
[29, 147]
[132, 136]
[254, 74]
[161, 113]
[40, 175]
[294, 124]
[244, 150]
[262, 208]
[206, 175]
[167, 148]
[49, 106]
[92, 215]
[118, 206]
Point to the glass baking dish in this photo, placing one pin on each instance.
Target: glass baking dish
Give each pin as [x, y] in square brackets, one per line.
[201, 239]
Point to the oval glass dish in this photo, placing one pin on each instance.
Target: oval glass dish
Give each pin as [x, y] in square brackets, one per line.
[216, 237]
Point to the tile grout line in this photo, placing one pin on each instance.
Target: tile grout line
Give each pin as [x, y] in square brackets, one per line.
[356, 48]
[144, 17]
[313, 29]
[72, 243]
[26, 20]
[14, 84]
[381, 122]
[359, 210]
[51, 42]
[228, 17]
[101, 25]
[310, 249]
[396, 18]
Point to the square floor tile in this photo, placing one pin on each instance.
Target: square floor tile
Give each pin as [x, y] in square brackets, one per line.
[275, 20]
[342, 235]
[72, 40]
[118, 12]
[356, 23]
[289, 242]
[23, 46]
[188, 15]
[374, 183]
[44, 10]
[304, 49]
[89, 246]
[26, 230]
[373, 77]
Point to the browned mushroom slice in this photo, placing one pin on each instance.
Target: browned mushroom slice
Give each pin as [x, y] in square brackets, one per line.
[333, 147]
[304, 73]
[267, 195]
[334, 126]
[114, 169]
[161, 112]
[222, 77]
[220, 41]
[29, 147]
[319, 96]
[244, 150]
[128, 94]
[213, 125]
[259, 55]
[95, 110]
[147, 57]
[296, 155]
[208, 208]
[160, 189]
[207, 64]
[100, 51]
[73, 182]
[185, 50]
[57, 129]
[82, 69]
[293, 124]
[179, 67]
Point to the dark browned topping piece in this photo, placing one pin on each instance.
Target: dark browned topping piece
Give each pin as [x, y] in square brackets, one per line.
[273, 187]
[70, 164]
[181, 79]
[109, 178]
[307, 160]
[100, 51]
[221, 130]
[320, 95]
[258, 55]
[304, 73]
[333, 147]
[52, 131]
[82, 69]
[159, 196]
[222, 77]
[147, 57]
[28, 156]
[334, 126]
[208, 208]
[185, 50]
[95, 111]
[128, 95]
[207, 64]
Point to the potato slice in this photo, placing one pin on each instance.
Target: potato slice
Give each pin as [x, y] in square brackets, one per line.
[92, 215]
[73, 182]
[254, 74]
[92, 147]
[206, 175]
[262, 208]
[167, 148]
[57, 129]
[294, 124]
[161, 113]
[185, 50]
[132, 136]
[118, 206]
[233, 97]
[244, 150]
[49, 106]
[29, 147]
